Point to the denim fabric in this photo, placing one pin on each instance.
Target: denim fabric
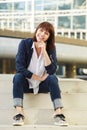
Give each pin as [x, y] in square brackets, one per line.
[57, 103]
[21, 86]
[18, 102]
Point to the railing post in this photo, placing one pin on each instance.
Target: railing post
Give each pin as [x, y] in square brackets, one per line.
[70, 71]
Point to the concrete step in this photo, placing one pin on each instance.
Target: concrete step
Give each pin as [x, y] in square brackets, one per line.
[67, 85]
[71, 85]
[44, 116]
[39, 108]
[73, 94]
[41, 127]
[72, 100]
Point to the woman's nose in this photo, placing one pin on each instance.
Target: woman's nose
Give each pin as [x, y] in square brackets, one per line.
[43, 33]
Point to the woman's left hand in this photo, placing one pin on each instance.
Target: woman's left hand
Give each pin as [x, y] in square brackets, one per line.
[44, 77]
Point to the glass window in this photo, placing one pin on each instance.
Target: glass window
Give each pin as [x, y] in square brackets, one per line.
[65, 34]
[79, 22]
[17, 24]
[78, 35]
[49, 7]
[19, 6]
[50, 4]
[64, 4]
[10, 24]
[45, 5]
[83, 35]
[79, 4]
[64, 22]
[59, 34]
[61, 71]
[38, 2]
[29, 5]
[5, 6]
[38, 5]
[72, 34]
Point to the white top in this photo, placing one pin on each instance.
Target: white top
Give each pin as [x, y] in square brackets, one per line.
[36, 66]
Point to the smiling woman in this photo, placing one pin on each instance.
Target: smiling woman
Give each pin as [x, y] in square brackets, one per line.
[36, 65]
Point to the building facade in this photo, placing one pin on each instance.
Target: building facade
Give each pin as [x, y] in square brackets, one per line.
[69, 17]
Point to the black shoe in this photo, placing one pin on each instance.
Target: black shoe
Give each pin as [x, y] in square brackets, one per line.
[60, 120]
[18, 120]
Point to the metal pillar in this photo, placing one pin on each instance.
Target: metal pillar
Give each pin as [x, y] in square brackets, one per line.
[70, 71]
[4, 66]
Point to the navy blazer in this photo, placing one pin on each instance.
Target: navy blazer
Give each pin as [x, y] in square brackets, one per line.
[24, 55]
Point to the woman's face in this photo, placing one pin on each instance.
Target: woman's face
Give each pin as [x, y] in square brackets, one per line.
[42, 35]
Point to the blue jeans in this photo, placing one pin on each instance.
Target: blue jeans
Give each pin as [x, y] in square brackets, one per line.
[21, 86]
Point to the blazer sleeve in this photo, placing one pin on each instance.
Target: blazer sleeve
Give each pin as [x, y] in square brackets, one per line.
[21, 60]
[51, 69]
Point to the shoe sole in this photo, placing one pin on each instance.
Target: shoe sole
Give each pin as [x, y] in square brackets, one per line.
[18, 124]
[61, 124]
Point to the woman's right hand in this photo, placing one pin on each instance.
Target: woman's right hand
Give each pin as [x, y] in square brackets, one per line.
[40, 78]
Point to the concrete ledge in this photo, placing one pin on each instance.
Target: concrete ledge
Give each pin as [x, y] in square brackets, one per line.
[42, 127]
[44, 116]
[40, 101]
[67, 85]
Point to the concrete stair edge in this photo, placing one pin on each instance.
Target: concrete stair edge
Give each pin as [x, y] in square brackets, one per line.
[42, 127]
[44, 116]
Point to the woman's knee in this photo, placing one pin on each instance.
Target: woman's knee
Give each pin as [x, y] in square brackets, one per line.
[52, 78]
[18, 77]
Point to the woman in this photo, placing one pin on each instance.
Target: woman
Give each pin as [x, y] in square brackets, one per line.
[36, 65]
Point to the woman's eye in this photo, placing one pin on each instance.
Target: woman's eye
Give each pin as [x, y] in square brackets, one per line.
[46, 33]
[41, 30]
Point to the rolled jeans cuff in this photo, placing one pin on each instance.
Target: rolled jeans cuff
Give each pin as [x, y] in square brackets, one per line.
[57, 103]
[18, 102]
